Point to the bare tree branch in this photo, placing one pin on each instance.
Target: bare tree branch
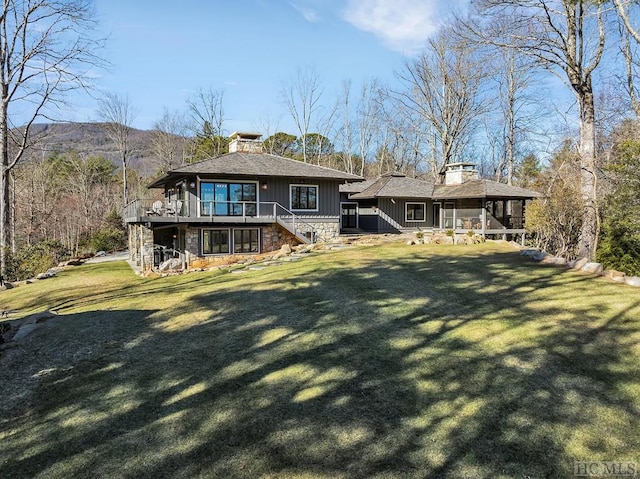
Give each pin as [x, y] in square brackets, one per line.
[47, 47]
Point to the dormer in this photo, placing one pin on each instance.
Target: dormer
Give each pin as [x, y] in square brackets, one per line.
[245, 143]
[458, 173]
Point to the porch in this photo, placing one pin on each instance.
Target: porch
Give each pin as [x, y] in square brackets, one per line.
[484, 217]
[156, 212]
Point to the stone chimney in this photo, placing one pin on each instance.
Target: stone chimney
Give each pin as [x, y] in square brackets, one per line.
[245, 143]
[458, 173]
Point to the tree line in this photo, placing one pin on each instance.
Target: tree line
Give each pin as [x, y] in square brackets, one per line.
[480, 91]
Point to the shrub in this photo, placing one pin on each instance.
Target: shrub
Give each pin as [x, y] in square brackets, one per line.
[109, 239]
[31, 260]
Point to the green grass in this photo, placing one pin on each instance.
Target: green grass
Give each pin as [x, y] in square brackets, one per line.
[385, 361]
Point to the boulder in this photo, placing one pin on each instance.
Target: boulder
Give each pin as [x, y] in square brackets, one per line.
[578, 264]
[302, 249]
[614, 275]
[554, 260]
[285, 249]
[46, 274]
[594, 268]
[632, 281]
[538, 256]
[75, 262]
[172, 264]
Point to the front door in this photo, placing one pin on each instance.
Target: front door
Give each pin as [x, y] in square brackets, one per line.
[436, 215]
[349, 215]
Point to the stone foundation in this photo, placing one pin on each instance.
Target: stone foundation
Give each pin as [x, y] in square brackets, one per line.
[272, 238]
[141, 246]
[325, 230]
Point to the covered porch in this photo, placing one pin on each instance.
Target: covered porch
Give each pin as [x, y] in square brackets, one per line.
[485, 216]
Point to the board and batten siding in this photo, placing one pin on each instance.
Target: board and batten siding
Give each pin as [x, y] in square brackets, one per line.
[392, 214]
[278, 190]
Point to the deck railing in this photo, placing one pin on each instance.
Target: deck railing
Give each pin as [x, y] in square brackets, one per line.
[145, 207]
[152, 209]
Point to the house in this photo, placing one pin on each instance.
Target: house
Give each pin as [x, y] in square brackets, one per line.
[462, 203]
[242, 202]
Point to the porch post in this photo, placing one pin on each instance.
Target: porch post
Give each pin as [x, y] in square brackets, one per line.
[483, 217]
[504, 218]
[524, 234]
[455, 214]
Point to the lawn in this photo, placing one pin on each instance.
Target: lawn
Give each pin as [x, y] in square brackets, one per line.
[383, 361]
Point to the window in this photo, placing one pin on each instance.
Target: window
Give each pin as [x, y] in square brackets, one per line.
[415, 211]
[215, 241]
[228, 199]
[304, 197]
[245, 241]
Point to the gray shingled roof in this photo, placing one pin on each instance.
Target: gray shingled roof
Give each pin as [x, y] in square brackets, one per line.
[482, 189]
[256, 165]
[357, 187]
[397, 185]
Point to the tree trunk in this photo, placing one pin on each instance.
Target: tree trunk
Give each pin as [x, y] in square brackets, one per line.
[588, 232]
[5, 199]
[125, 186]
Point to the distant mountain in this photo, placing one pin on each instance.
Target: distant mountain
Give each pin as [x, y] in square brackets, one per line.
[92, 139]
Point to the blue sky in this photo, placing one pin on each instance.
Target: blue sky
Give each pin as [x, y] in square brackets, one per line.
[162, 52]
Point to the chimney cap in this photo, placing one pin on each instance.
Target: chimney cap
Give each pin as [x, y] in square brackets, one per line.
[239, 135]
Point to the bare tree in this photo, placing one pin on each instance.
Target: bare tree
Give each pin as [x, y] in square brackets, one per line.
[567, 37]
[622, 7]
[168, 141]
[368, 118]
[345, 133]
[207, 117]
[46, 46]
[118, 114]
[443, 92]
[517, 108]
[267, 126]
[629, 52]
[301, 94]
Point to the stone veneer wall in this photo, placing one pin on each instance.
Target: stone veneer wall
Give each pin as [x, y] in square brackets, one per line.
[141, 246]
[192, 245]
[274, 236]
[326, 229]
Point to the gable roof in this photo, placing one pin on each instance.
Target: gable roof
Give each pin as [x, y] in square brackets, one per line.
[255, 165]
[398, 185]
[394, 185]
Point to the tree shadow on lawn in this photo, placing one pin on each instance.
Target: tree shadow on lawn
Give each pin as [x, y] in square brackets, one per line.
[426, 367]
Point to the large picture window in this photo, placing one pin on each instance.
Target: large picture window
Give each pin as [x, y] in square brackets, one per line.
[304, 197]
[228, 199]
[415, 211]
[245, 241]
[215, 241]
[225, 241]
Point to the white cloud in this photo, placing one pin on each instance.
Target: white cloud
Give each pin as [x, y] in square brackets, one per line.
[309, 13]
[403, 25]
